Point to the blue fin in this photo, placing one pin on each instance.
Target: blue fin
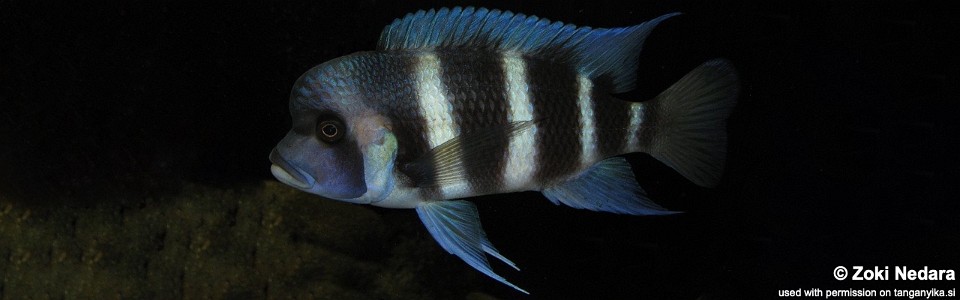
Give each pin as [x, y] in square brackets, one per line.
[455, 224]
[595, 52]
[444, 164]
[607, 186]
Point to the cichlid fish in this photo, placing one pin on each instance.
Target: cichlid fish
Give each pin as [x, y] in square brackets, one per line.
[463, 102]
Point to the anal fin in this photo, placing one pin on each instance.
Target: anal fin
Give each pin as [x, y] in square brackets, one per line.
[607, 186]
[455, 224]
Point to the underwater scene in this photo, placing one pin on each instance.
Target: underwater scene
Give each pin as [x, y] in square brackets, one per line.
[478, 150]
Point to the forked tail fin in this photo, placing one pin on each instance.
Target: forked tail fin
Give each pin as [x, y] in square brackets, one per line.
[685, 127]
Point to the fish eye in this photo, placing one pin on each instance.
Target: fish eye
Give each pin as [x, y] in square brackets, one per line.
[330, 130]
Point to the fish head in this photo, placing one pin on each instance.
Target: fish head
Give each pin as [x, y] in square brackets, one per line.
[339, 147]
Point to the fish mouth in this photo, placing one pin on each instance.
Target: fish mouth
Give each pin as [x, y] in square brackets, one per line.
[280, 168]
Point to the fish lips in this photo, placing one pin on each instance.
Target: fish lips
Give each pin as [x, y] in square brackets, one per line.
[293, 176]
[288, 174]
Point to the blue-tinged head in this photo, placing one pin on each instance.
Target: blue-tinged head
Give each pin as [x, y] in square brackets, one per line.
[338, 147]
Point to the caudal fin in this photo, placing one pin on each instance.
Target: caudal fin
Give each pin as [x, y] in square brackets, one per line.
[686, 125]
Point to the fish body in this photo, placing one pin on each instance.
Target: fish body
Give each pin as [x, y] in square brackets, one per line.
[458, 103]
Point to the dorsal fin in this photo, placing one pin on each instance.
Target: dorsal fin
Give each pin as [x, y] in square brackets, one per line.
[595, 52]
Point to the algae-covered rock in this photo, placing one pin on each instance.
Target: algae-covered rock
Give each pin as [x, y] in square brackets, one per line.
[263, 241]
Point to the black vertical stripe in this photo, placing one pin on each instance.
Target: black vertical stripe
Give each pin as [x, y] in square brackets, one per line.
[393, 82]
[474, 81]
[554, 91]
[612, 119]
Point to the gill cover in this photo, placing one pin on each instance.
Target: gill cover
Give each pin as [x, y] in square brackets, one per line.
[379, 157]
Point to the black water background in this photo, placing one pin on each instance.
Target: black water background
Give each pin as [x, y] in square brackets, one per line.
[842, 149]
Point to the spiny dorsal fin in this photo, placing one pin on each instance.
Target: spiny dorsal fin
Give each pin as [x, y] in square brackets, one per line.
[595, 52]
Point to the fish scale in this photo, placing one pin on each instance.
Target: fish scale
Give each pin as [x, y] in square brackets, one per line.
[553, 92]
[474, 79]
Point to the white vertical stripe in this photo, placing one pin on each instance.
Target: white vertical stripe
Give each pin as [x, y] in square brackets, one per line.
[633, 133]
[522, 153]
[588, 136]
[437, 111]
[434, 106]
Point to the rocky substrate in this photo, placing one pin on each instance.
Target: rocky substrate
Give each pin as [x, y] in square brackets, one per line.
[265, 241]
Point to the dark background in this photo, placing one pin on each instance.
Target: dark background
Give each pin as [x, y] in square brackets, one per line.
[841, 149]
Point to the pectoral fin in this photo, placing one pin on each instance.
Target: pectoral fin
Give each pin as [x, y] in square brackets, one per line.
[607, 186]
[455, 224]
[443, 164]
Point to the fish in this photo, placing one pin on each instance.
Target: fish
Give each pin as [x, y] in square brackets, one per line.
[459, 102]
